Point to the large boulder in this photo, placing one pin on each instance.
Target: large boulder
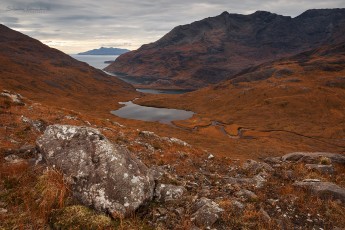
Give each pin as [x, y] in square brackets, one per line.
[314, 157]
[323, 189]
[102, 175]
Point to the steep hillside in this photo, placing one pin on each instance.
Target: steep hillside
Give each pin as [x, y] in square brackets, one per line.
[217, 48]
[44, 74]
[296, 102]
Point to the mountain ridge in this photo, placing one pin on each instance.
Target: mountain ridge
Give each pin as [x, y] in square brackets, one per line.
[216, 48]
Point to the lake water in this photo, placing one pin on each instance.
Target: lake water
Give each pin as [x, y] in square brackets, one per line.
[131, 110]
[96, 61]
[144, 113]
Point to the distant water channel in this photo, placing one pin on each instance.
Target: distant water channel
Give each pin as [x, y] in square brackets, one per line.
[144, 113]
[96, 61]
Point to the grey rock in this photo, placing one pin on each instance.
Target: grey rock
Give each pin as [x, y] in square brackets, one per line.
[257, 167]
[238, 204]
[273, 160]
[324, 169]
[288, 174]
[180, 212]
[323, 189]
[168, 192]
[39, 125]
[15, 97]
[258, 181]
[102, 175]
[3, 210]
[240, 180]
[313, 157]
[13, 159]
[265, 215]
[157, 172]
[208, 212]
[246, 194]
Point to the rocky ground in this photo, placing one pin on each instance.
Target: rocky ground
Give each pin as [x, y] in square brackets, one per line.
[60, 169]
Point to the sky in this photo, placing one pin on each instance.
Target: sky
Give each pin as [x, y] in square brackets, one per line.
[76, 26]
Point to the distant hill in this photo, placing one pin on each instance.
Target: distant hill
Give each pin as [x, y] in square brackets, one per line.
[218, 48]
[105, 51]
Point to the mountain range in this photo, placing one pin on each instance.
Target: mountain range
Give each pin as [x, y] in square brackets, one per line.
[214, 49]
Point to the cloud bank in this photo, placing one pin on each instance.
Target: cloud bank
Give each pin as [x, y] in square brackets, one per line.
[75, 26]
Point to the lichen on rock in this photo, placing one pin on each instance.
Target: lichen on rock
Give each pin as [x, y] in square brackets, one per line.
[102, 175]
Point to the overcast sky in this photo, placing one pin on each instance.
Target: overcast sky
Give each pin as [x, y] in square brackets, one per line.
[75, 26]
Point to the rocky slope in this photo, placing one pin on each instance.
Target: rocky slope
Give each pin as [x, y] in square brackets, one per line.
[217, 48]
[48, 75]
[44, 168]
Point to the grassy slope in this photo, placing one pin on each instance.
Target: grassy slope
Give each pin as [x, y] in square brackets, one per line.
[47, 75]
[299, 108]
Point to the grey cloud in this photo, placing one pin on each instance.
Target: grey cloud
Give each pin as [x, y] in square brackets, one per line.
[74, 26]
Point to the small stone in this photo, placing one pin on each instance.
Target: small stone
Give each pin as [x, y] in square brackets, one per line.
[3, 210]
[168, 192]
[257, 167]
[238, 205]
[324, 169]
[162, 211]
[265, 215]
[248, 195]
[180, 212]
[13, 159]
[210, 156]
[311, 180]
[208, 212]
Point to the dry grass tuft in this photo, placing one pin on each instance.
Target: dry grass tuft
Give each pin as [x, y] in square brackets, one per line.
[52, 191]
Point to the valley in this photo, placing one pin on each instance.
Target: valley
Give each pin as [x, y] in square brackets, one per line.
[230, 122]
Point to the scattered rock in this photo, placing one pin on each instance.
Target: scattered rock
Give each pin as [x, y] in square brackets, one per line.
[103, 175]
[324, 169]
[13, 159]
[3, 210]
[173, 140]
[323, 189]
[238, 205]
[273, 160]
[15, 97]
[265, 215]
[148, 134]
[257, 167]
[168, 192]
[39, 125]
[247, 195]
[313, 157]
[240, 180]
[180, 212]
[208, 212]
[210, 156]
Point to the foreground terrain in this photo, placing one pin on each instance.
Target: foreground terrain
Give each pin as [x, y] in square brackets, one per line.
[207, 190]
